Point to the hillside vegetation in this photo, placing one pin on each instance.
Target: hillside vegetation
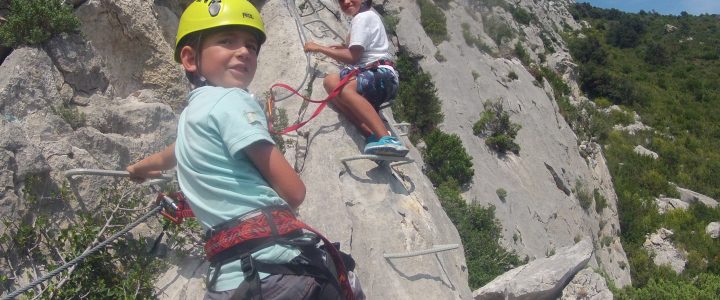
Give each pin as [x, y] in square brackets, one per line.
[665, 69]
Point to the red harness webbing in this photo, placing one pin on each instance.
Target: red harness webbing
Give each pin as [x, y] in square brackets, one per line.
[323, 103]
[258, 226]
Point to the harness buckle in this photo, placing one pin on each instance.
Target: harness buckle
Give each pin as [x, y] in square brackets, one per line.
[247, 266]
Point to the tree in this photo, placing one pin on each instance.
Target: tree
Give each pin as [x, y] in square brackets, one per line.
[626, 33]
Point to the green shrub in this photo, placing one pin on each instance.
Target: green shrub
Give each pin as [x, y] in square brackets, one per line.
[522, 54]
[446, 158]
[444, 4]
[600, 201]
[439, 56]
[705, 286]
[71, 115]
[583, 195]
[501, 193]
[475, 74]
[433, 21]
[31, 22]
[621, 117]
[560, 88]
[496, 127]
[497, 29]
[606, 241]
[417, 101]
[512, 75]
[473, 40]
[122, 270]
[602, 102]
[480, 233]
[390, 20]
[547, 43]
[521, 15]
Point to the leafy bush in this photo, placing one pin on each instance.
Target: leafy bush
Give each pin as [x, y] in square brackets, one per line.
[433, 21]
[473, 40]
[512, 75]
[446, 159]
[522, 54]
[600, 201]
[497, 29]
[547, 42]
[417, 101]
[496, 127]
[626, 33]
[501, 193]
[439, 56]
[583, 195]
[705, 286]
[71, 115]
[31, 22]
[390, 20]
[480, 233]
[123, 270]
[521, 15]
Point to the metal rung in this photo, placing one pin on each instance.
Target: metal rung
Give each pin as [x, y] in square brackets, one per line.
[376, 157]
[434, 249]
[114, 173]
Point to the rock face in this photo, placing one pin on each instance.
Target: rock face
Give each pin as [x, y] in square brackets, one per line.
[665, 204]
[110, 95]
[692, 197]
[540, 213]
[587, 285]
[713, 230]
[644, 151]
[543, 278]
[665, 253]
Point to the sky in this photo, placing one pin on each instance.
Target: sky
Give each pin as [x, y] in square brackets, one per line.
[665, 7]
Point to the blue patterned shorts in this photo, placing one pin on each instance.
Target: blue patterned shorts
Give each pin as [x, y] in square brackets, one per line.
[377, 85]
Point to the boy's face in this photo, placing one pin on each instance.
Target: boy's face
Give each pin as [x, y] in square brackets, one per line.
[350, 7]
[229, 58]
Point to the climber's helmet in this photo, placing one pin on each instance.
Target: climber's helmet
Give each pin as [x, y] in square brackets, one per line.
[206, 15]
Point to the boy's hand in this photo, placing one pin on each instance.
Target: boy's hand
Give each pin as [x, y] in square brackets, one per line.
[139, 176]
[311, 47]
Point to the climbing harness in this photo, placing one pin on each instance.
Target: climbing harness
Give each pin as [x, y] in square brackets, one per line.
[239, 237]
[125, 230]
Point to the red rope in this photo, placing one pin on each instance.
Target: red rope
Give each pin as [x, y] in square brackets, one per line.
[323, 103]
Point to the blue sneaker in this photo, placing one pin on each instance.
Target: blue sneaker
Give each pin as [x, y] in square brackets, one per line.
[388, 146]
[371, 139]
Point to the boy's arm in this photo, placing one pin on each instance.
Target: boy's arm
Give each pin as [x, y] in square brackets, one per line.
[153, 165]
[277, 171]
[342, 54]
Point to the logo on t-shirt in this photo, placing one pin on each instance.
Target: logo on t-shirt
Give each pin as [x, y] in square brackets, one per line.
[252, 117]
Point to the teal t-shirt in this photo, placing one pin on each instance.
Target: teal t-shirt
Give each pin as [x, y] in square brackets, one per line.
[218, 179]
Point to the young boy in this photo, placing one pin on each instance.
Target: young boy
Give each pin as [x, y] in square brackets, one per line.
[229, 170]
[376, 83]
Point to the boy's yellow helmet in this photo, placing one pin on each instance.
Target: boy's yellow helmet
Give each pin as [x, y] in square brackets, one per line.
[208, 14]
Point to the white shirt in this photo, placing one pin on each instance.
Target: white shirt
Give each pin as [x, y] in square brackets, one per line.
[368, 31]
